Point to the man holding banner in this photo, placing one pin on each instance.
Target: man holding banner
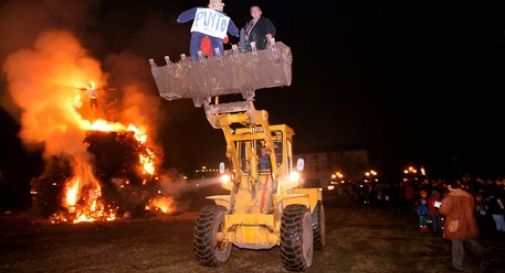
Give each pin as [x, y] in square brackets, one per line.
[211, 22]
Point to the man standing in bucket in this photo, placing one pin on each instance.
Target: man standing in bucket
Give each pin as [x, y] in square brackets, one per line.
[259, 30]
[460, 225]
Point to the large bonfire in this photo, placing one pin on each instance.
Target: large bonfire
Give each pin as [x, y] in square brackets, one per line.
[96, 169]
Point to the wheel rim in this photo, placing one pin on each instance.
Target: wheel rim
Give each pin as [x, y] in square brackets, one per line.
[221, 244]
[307, 239]
[222, 248]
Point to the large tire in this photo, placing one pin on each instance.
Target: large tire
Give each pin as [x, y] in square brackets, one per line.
[207, 249]
[319, 226]
[296, 238]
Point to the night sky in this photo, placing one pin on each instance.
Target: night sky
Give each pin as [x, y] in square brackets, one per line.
[415, 82]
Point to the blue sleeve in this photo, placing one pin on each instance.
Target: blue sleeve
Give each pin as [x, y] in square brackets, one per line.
[233, 29]
[187, 15]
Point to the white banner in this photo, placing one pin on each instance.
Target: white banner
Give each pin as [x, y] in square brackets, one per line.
[210, 22]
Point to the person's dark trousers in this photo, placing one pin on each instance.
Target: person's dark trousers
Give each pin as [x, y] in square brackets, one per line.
[458, 251]
[435, 224]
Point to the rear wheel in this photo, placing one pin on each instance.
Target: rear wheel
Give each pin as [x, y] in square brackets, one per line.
[209, 250]
[319, 226]
[296, 238]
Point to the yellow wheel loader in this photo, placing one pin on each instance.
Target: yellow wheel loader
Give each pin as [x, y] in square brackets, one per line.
[266, 206]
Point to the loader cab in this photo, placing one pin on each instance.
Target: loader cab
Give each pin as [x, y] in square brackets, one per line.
[264, 162]
[254, 151]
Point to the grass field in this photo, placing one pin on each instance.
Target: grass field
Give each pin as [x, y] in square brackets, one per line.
[359, 239]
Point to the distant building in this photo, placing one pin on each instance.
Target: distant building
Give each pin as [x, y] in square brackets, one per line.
[323, 161]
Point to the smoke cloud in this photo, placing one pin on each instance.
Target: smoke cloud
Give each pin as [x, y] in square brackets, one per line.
[53, 48]
[24, 20]
[123, 55]
[42, 81]
[138, 104]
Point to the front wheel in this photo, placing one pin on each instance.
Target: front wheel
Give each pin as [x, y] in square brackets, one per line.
[208, 249]
[296, 238]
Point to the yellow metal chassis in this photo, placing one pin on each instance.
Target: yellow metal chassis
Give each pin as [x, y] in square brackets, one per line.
[247, 224]
[262, 231]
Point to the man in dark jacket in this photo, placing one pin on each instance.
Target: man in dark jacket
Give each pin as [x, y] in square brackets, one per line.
[460, 225]
[497, 207]
[259, 30]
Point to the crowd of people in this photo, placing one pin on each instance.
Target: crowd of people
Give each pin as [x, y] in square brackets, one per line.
[459, 210]
[424, 194]
[488, 200]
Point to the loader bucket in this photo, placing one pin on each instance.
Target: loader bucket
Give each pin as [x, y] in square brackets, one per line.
[233, 73]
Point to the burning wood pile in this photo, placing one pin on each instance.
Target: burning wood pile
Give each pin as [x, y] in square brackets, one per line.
[119, 180]
[99, 163]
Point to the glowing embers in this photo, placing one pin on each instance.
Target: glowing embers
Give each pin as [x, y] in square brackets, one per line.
[161, 204]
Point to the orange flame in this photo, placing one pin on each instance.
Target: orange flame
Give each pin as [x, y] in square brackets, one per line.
[148, 162]
[83, 196]
[71, 193]
[163, 204]
[43, 80]
[83, 193]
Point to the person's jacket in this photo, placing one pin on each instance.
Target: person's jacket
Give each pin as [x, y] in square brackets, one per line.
[458, 207]
[259, 31]
[495, 205]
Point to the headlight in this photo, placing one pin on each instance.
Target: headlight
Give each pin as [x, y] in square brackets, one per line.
[331, 187]
[225, 178]
[294, 176]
